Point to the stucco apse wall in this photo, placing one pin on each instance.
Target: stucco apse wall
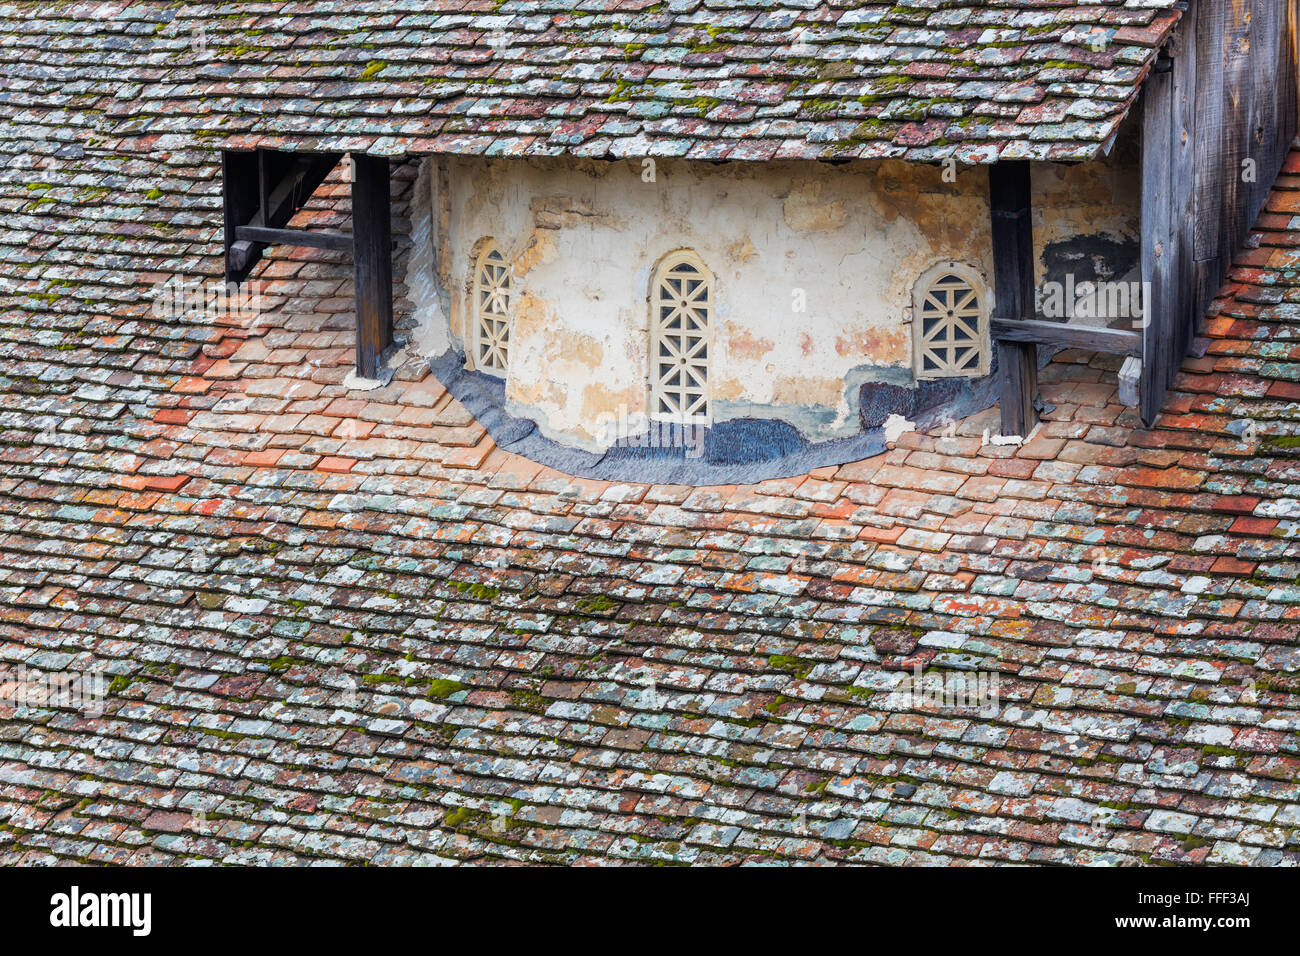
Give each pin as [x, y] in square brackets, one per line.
[584, 237]
[1088, 216]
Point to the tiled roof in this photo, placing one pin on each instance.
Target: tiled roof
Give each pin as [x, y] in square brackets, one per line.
[915, 79]
[343, 626]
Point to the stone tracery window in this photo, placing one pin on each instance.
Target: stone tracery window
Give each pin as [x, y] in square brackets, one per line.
[493, 298]
[950, 323]
[681, 340]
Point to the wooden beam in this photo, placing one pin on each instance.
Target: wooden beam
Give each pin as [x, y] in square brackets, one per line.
[372, 260]
[1063, 335]
[1157, 100]
[1017, 386]
[239, 206]
[295, 237]
[1013, 264]
[263, 189]
[262, 192]
[291, 178]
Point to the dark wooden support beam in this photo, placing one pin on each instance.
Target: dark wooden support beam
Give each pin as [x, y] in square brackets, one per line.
[1013, 264]
[295, 237]
[262, 190]
[291, 181]
[1063, 335]
[239, 200]
[372, 260]
[1017, 386]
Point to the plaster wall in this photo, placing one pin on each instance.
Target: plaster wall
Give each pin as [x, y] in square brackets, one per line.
[1088, 218]
[814, 267]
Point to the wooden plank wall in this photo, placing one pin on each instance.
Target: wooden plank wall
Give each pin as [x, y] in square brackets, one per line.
[1230, 96]
[1159, 245]
[1182, 215]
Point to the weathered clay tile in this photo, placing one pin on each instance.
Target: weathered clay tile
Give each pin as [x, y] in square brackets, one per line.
[345, 626]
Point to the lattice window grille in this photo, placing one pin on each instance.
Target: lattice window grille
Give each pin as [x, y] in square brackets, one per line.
[681, 342]
[493, 292]
[950, 324]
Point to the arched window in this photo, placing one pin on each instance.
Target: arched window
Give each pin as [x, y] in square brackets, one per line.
[950, 323]
[493, 298]
[681, 339]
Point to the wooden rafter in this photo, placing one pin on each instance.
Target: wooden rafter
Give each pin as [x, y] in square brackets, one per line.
[263, 189]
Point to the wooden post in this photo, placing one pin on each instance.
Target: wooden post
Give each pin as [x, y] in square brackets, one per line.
[239, 202]
[1013, 263]
[372, 260]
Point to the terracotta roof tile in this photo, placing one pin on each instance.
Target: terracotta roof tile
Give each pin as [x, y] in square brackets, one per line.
[425, 75]
[344, 626]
